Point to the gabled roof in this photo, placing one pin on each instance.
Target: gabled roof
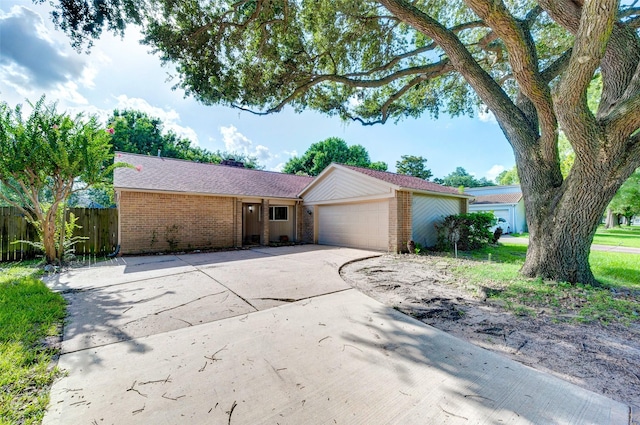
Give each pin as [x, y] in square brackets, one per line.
[395, 181]
[498, 198]
[406, 182]
[175, 175]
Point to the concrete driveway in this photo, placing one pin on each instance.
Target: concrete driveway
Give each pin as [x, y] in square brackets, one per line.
[274, 336]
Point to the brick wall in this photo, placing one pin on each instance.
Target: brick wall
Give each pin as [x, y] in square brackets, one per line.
[400, 221]
[155, 222]
[307, 221]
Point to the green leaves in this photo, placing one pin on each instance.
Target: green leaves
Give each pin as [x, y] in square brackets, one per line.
[461, 178]
[415, 166]
[41, 159]
[321, 154]
[137, 132]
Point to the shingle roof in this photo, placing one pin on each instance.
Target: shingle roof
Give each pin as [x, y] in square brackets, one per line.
[174, 175]
[500, 198]
[408, 182]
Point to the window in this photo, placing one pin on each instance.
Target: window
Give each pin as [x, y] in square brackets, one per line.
[278, 213]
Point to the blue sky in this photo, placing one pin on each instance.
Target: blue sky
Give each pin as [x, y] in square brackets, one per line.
[36, 59]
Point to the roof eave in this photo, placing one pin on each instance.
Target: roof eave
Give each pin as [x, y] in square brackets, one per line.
[433, 192]
[221, 195]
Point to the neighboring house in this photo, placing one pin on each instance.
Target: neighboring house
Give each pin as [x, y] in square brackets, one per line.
[168, 204]
[364, 208]
[503, 201]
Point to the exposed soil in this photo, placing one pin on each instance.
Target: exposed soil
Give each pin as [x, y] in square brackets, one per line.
[603, 359]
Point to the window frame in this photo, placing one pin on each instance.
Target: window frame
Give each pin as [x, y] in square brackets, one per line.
[272, 212]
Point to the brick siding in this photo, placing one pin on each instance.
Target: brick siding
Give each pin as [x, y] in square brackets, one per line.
[400, 221]
[156, 222]
[307, 216]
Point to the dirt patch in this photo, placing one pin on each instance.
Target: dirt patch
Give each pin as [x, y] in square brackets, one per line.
[603, 359]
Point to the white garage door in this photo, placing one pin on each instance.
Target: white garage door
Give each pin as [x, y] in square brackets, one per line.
[501, 214]
[355, 225]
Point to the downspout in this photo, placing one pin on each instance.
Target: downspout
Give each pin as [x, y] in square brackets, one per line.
[114, 253]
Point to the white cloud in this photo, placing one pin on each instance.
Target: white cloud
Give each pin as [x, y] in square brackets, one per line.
[494, 171]
[27, 44]
[291, 153]
[262, 153]
[169, 117]
[234, 141]
[69, 92]
[278, 168]
[485, 115]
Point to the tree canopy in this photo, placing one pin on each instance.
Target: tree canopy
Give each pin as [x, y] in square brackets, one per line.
[137, 132]
[40, 160]
[508, 177]
[415, 166]
[460, 177]
[321, 154]
[529, 62]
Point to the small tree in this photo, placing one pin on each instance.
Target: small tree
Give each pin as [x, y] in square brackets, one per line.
[41, 158]
[465, 231]
[626, 203]
[460, 177]
[415, 166]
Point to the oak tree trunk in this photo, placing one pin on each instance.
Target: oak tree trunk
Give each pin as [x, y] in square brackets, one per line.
[563, 219]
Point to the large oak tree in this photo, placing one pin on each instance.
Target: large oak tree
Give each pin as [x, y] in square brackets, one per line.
[529, 62]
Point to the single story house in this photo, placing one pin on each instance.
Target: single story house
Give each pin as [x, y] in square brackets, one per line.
[169, 204]
[503, 201]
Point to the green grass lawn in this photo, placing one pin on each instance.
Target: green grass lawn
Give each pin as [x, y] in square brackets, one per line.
[628, 236]
[29, 312]
[620, 236]
[618, 299]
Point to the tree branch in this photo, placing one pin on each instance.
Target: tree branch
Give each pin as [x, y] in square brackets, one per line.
[429, 71]
[596, 25]
[524, 63]
[557, 67]
[624, 119]
[17, 205]
[456, 29]
[511, 119]
[564, 12]
[397, 95]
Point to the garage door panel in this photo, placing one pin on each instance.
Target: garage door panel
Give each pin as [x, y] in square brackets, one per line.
[363, 225]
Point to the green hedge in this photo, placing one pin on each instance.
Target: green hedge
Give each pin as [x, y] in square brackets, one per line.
[470, 231]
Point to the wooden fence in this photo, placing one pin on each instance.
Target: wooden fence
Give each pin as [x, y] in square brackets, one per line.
[100, 225]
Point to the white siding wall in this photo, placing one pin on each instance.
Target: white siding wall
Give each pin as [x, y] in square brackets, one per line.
[282, 228]
[427, 211]
[492, 190]
[342, 185]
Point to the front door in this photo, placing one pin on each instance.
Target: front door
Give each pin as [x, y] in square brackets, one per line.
[251, 224]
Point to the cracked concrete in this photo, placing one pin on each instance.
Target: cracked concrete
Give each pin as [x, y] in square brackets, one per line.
[214, 338]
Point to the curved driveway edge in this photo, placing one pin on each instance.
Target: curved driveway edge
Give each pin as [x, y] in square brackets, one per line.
[333, 356]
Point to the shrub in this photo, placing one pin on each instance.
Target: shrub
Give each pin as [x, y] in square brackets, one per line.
[469, 231]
